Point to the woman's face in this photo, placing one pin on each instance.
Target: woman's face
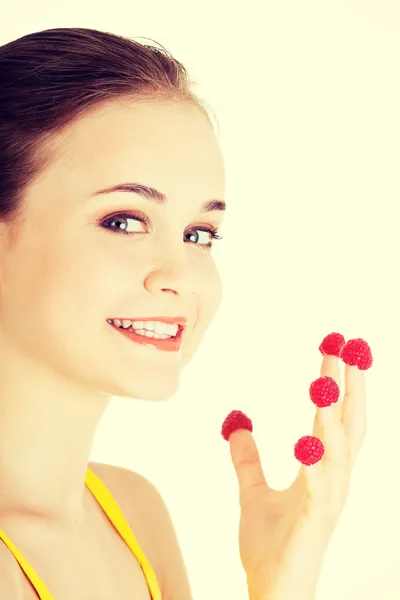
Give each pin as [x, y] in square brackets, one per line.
[83, 258]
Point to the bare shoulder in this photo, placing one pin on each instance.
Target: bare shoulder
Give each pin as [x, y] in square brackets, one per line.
[124, 482]
[134, 495]
[150, 520]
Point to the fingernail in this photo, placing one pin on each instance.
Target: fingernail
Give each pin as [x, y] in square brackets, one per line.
[324, 391]
[235, 420]
[357, 353]
[309, 450]
[332, 344]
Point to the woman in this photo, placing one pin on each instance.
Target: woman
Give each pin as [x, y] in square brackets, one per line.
[111, 198]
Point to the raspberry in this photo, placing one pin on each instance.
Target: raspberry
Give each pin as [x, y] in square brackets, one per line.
[309, 450]
[324, 391]
[235, 420]
[357, 353]
[332, 344]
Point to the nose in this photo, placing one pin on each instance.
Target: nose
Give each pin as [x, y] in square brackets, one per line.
[173, 273]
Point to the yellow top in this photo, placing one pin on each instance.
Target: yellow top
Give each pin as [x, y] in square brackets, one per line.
[113, 512]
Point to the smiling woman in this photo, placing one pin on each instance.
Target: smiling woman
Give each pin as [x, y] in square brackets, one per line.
[93, 258]
[122, 285]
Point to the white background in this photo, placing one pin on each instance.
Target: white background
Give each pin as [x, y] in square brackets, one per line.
[307, 97]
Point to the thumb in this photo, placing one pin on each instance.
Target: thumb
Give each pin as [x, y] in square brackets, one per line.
[247, 464]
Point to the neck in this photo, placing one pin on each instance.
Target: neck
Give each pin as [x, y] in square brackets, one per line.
[47, 427]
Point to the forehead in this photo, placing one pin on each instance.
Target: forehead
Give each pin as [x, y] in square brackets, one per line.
[165, 145]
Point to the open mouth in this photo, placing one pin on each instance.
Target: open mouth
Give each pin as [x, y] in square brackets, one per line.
[163, 333]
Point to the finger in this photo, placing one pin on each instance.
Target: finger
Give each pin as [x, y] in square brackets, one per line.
[317, 489]
[327, 425]
[247, 464]
[329, 428]
[330, 367]
[354, 410]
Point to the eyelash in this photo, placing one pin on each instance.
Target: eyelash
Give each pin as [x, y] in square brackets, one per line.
[213, 231]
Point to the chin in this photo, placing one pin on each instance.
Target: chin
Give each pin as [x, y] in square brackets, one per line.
[156, 389]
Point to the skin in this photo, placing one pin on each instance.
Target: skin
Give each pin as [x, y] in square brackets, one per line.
[66, 275]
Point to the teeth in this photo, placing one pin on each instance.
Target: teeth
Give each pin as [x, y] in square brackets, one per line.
[157, 327]
[151, 329]
[152, 334]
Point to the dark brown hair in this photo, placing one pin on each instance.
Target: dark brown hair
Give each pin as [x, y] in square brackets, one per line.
[51, 78]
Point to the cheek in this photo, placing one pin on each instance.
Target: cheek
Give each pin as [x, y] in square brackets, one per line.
[88, 284]
[74, 283]
[70, 293]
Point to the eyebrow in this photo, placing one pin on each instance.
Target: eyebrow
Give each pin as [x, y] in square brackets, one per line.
[154, 195]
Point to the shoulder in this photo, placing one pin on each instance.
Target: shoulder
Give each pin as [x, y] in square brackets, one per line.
[137, 498]
[123, 482]
[150, 520]
[142, 507]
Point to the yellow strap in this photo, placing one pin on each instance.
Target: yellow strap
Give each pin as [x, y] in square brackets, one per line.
[113, 512]
[41, 589]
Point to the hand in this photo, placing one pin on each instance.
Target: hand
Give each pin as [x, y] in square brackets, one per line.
[283, 535]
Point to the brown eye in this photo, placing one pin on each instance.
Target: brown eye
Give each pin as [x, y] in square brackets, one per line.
[202, 237]
[126, 224]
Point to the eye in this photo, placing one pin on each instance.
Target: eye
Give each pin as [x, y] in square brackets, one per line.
[202, 236]
[126, 223]
[137, 224]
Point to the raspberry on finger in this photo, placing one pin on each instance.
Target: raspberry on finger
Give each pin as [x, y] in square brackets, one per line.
[309, 450]
[235, 420]
[357, 353]
[324, 391]
[332, 344]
